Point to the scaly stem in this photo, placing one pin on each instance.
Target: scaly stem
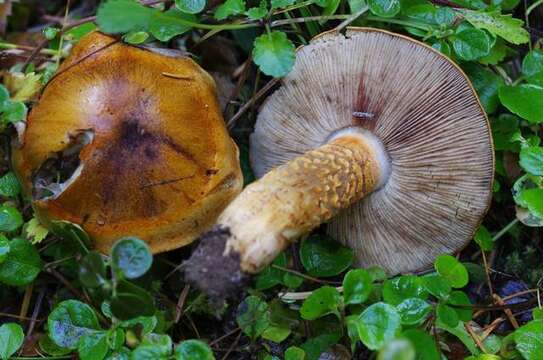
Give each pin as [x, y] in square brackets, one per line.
[298, 196]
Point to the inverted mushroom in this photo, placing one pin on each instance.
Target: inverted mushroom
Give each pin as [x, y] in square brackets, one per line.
[375, 132]
[125, 141]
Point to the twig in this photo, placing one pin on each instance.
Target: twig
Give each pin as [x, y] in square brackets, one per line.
[26, 300]
[35, 312]
[489, 282]
[307, 277]
[181, 303]
[232, 346]
[218, 340]
[475, 337]
[18, 317]
[34, 53]
[507, 312]
[263, 91]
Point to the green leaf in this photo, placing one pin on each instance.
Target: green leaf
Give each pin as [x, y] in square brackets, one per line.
[256, 13]
[22, 265]
[69, 321]
[48, 346]
[357, 5]
[461, 333]
[146, 323]
[533, 198]
[497, 54]
[35, 231]
[10, 218]
[471, 44]
[276, 4]
[190, 6]
[294, 353]
[425, 345]
[443, 47]
[148, 352]
[384, 8]
[136, 37]
[50, 32]
[314, 347]
[437, 285]
[14, 111]
[520, 100]
[397, 349]
[116, 338]
[282, 316]
[122, 16]
[487, 84]
[160, 341]
[322, 301]
[253, 316]
[483, 238]
[276, 334]
[357, 286]
[11, 339]
[377, 273]
[413, 311]
[274, 53]
[9, 185]
[532, 67]
[447, 315]
[93, 346]
[92, 270]
[166, 25]
[4, 95]
[131, 257]
[321, 256]
[402, 287]
[505, 26]
[271, 276]
[4, 248]
[452, 270]
[131, 301]
[377, 325]
[193, 350]
[531, 160]
[461, 298]
[76, 33]
[229, 8]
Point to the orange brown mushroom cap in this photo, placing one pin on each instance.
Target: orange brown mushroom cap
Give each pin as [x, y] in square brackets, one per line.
[155, 159]
[379, 135]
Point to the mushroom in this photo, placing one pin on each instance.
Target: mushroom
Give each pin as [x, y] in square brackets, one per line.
[126, 141]
[375, 132]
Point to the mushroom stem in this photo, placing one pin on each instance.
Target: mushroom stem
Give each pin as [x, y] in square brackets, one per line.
[298, 196]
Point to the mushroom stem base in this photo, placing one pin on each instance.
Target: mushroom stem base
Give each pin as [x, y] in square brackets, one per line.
[298, 196]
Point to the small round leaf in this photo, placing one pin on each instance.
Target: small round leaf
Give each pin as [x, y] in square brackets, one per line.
[322, 301]
[322, 256]
[193, 350]
[131, 257]
[11, 339]
[377, 325]
[452, 270]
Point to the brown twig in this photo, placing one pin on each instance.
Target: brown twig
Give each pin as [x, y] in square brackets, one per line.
[507, 311]
[307, 277]
[232, 346]
[181, 303]
[475, 337]
[219, 339]
[26, 300]
[35, 312]
[263, 91]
